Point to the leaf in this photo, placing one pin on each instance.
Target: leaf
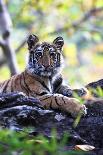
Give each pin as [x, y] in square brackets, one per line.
[84, 147]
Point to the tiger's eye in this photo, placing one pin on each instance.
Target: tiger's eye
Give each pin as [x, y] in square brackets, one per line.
[51, 50]
[38, 54]
[53, 55]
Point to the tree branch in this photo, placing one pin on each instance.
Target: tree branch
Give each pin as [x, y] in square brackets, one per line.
[75, 24]
[3, 61]
[5, 26]
[21, 45]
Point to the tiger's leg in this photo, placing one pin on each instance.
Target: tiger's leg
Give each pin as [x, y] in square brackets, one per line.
[84, 93]
[66, 90]
[58, 101]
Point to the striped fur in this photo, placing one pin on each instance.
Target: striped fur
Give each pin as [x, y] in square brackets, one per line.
[41, 78]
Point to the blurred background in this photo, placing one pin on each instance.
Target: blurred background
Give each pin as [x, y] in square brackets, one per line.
[79, 22]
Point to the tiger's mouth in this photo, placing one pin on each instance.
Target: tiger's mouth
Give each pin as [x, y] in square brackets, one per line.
[43, 71]
[47, 71]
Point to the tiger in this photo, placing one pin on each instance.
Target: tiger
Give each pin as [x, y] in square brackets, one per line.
[42, 77]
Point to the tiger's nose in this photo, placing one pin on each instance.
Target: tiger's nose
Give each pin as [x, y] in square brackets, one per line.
[46, 62]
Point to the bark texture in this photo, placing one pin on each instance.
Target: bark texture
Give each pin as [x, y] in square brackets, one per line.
[5, 43]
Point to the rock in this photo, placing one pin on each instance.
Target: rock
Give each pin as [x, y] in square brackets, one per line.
[18, 111]
[95, 84]
[88, 131]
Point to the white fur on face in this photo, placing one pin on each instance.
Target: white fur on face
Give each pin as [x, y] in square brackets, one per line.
[34, 67]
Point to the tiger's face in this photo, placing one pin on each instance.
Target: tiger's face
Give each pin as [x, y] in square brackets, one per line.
[45, 59]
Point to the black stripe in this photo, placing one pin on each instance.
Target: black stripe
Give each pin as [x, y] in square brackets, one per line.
[51, 104]
[56, 101]
[58, 57]
[41, 94]
[27, 88]
[12, 88]
[22, 86]
[33, 58]
[45, 98]
[63, 100]
[4, 89]
[45, 86]
[42, 83]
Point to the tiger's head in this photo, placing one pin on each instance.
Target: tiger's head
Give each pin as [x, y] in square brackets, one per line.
[45, 59]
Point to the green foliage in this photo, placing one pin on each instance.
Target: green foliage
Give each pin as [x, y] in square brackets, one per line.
[98, 92]
[24, 144]
[78, 118]
[83, 53]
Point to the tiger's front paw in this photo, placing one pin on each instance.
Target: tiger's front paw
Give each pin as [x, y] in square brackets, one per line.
[74, 107]
[80, 109]
[68, 92]
[83, 110]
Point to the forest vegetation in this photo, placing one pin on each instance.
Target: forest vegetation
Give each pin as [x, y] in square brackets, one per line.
[80, 23]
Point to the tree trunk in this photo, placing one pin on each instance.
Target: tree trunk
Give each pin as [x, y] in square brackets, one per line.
[5, 26]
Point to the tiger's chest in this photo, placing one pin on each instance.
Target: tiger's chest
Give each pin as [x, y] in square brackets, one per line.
[50, 87]
[40, 87]
[47, 86]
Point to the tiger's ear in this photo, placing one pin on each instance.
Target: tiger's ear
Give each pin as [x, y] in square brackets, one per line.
[32, 40]
[59, 42]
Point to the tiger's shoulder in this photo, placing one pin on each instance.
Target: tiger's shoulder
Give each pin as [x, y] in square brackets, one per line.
[10, 84]
[27, 83]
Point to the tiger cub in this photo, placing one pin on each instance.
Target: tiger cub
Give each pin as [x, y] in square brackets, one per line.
[42, 79]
